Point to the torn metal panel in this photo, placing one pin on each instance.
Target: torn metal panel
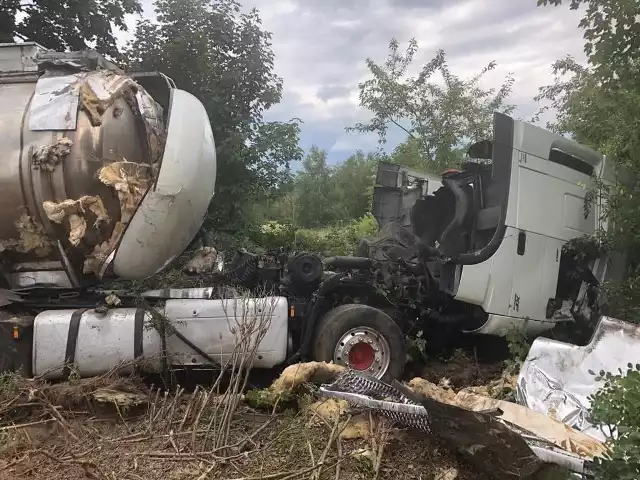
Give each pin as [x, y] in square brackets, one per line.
[105, 84]
[82, 60]
[48, 157]
[151, 113]
[171, 213]
[54, 105]
[555, 379]
[74, 211]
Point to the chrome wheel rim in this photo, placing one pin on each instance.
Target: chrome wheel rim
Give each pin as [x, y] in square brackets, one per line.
[363, 349]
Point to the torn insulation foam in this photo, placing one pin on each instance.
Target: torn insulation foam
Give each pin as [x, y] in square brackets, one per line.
[75, 212]
[48, 157]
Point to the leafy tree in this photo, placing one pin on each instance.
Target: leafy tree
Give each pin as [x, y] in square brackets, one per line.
[354, 180]
[409, 154]
[66, 24]
[611, 33]
[224, 57]
[439, 117]
[598, 105]
[316, 195]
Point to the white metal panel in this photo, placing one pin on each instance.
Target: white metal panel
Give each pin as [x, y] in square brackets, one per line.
[172, 212]
[536, 141]
[488, 284]
[208, 324]
[55, 103]
[551, 202]
[573, 214]
[104, 342]
[500, 325]
[556, 377]
[535, 277]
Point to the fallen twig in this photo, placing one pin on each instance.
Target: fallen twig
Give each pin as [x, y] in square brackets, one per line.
[30, 424]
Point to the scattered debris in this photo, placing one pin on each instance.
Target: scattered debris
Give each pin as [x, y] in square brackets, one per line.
[448, 474]
[120, 398]
[74, 211]
[431, 390]
[499, 437]
[33, 237]
[112, 300]
[95, 260]
[205, 260]
[48, 157]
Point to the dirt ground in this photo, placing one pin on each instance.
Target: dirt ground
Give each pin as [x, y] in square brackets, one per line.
[72, 431]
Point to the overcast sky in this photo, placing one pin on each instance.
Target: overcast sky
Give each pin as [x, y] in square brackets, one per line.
[320, 47]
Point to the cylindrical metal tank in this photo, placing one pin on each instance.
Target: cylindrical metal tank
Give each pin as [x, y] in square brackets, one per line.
[92, 344]
[98, 177]
[78, 151]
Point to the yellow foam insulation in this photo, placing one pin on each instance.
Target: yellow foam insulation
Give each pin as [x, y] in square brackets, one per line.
[329, 410]
[297, 375]
[91, 105]
[33, 237]
[113, 300]
[357, 428]
[131, 181]
[48, 157]
[507, 382]
[74, 211]
[433, 391]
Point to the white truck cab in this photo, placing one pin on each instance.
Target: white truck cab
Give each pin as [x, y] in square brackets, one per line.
[495, 231]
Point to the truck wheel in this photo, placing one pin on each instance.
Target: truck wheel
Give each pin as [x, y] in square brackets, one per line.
[362, 338]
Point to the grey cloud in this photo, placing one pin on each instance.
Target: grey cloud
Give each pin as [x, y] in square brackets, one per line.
[329, 92]
[320, 47]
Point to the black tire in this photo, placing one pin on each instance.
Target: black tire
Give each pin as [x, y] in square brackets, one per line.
[335, 323]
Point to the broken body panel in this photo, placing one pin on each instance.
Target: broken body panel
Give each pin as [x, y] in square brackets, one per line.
[493, 234]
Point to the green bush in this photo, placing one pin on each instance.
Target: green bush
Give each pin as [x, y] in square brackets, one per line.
[339, 239]
[274, 235]
[616, 405]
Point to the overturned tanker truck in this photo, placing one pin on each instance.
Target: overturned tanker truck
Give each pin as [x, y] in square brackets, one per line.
[109, 175]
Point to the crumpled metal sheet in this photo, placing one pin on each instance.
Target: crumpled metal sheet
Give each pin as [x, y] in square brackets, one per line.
[54, 105]
[83, 60]
[499, 449]
[556, 380]
[57, 96]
